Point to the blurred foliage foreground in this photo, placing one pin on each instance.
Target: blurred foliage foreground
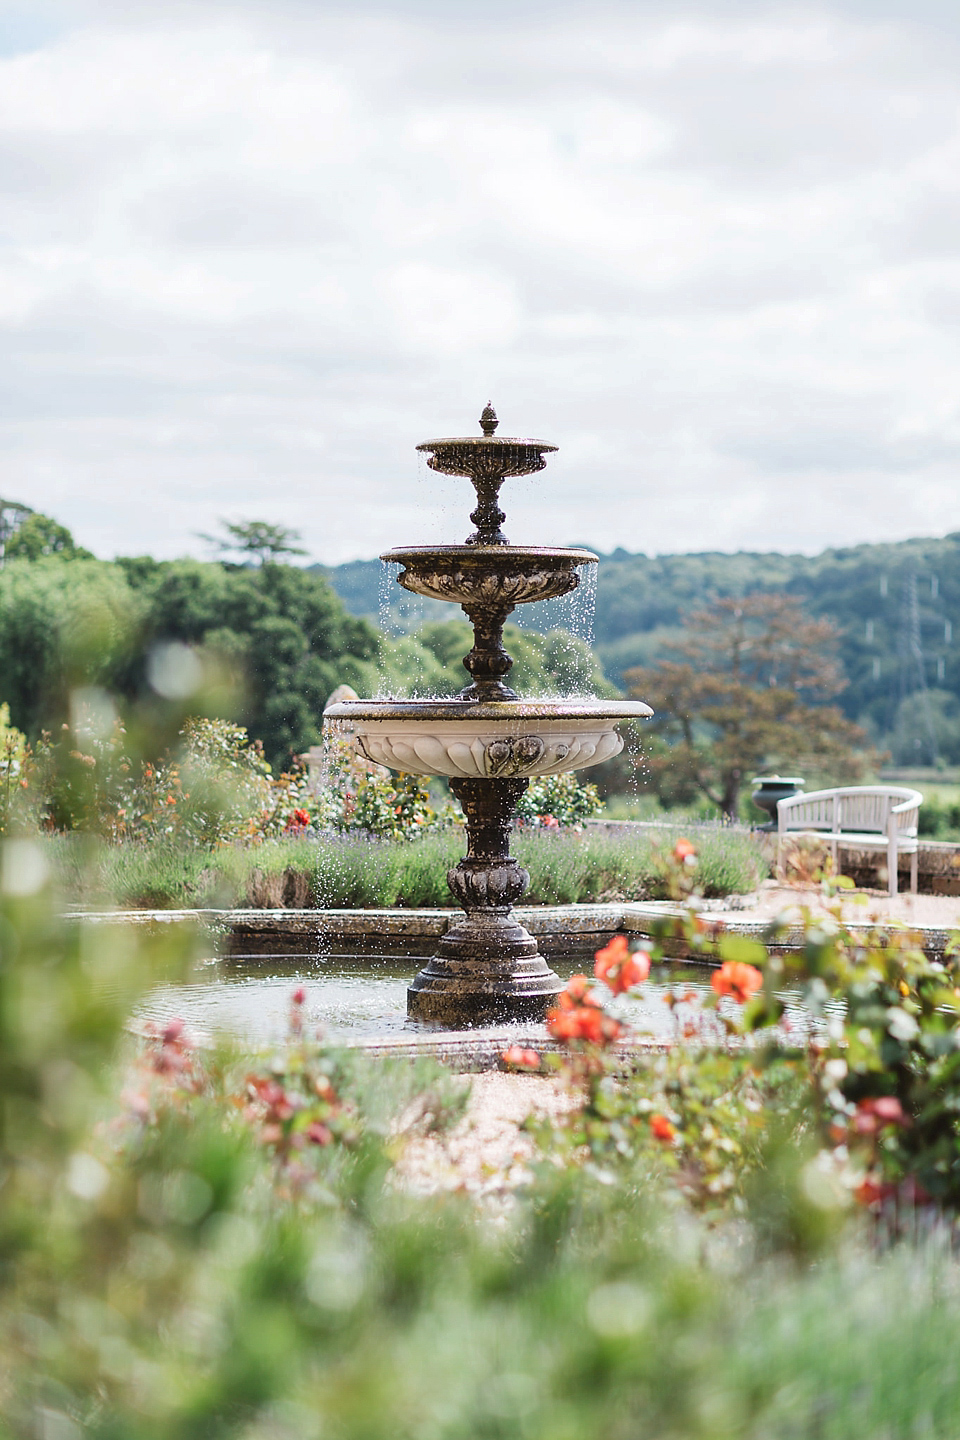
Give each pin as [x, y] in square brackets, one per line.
[749, 1235]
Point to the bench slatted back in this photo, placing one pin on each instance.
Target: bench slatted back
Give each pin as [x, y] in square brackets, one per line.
[863, 809]
[817, 811]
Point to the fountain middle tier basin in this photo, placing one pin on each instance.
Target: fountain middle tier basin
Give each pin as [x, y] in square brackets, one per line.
[489, 575]
[506, 739]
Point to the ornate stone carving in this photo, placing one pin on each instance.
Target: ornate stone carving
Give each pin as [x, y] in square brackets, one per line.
[487, 597]
[512, 757]
[469, 586]
[489, 886]
[488, 877]
[451, 750]
[487, 741]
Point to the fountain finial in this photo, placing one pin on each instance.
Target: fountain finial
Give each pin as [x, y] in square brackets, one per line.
[488, 420]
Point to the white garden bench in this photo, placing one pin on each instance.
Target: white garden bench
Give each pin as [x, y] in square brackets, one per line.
[863, 817]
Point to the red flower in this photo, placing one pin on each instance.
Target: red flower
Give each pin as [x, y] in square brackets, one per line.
[737, 980]
[873, 1192]
[684, 849]
[299, 995]
[577, 992]
[318, 1133]
[872, 1115]
[520, 1058]
[273, 1096]
[661, 1127]
[582, 1022]
[618, 968]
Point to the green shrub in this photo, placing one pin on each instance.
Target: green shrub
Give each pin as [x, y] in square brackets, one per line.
[558, 800]
[212, 1245]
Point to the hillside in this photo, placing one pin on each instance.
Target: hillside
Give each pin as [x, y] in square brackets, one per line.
[866, 590]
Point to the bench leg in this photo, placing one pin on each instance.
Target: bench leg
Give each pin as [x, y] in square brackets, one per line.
[914, 870]
[892, 865]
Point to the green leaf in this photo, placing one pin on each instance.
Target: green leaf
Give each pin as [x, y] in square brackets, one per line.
[762, 1012]
[742, 950]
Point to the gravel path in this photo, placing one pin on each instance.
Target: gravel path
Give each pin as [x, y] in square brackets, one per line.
[486, 1154]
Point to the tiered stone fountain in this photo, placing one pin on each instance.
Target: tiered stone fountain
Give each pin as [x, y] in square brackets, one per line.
[488, 741]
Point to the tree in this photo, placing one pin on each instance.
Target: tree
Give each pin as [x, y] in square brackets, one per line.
[279, 632]
[39, 535]
[64, 624]
[255, 540]
[745, 693]
[280, 627]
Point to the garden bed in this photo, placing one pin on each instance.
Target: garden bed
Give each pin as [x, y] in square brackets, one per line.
[351, 872]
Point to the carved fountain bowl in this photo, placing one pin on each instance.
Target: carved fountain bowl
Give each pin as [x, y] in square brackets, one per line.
[502, 740]
[489, 575]
[486, 457]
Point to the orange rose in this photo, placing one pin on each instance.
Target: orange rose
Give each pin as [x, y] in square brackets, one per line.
[661, 1127]
[583, 1022]
[737, 980]
[618, 968]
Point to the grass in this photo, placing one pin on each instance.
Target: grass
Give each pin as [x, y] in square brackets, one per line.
[353, 873]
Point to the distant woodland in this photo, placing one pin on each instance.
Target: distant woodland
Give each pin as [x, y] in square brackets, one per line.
[287, 634]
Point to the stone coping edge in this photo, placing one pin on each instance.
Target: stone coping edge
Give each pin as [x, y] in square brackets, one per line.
[540, 920]
[482, 1049]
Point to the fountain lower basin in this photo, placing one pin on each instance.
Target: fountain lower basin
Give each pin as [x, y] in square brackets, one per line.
[499, 740]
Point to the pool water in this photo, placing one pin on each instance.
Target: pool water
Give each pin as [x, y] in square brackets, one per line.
[356, 996]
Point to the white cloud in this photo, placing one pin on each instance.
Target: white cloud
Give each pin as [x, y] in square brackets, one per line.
[252, 254]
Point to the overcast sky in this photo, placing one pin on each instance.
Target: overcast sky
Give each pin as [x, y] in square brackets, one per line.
[251, 254]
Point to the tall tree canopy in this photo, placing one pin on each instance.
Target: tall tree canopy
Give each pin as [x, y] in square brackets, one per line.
[255, 540]
[283, 628]
[39, 535]
[745, 692]
[284, 633]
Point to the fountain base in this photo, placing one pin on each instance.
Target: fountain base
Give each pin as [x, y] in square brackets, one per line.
[487, 967]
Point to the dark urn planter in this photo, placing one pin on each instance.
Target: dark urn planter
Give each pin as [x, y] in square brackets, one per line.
[772, 789]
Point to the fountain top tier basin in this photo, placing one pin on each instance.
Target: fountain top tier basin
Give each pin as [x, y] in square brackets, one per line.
[486, 461]
[518, 739]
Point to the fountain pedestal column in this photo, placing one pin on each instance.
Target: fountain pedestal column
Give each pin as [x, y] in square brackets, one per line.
[487, 968]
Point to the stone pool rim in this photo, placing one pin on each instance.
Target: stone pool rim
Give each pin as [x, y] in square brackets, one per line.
[583, 924]
[479, 1049]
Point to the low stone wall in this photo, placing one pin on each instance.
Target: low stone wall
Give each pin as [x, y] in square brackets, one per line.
[938, 869]
[250, 934]
[568, 931]
[938, 865]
